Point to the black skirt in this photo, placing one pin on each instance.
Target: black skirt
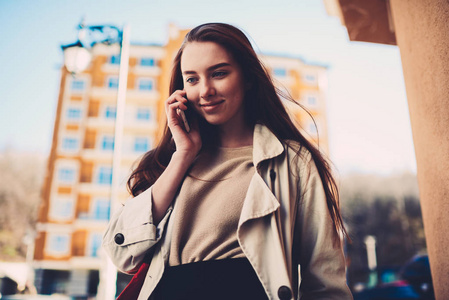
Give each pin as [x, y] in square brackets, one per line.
[228, 279]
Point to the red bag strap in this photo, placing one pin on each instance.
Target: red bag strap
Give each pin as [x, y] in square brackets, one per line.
[132, 290]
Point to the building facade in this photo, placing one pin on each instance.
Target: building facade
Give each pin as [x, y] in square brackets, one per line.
[76, 202]
[307, 85]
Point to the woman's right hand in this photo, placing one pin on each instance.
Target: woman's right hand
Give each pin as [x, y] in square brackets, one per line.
[188, 144]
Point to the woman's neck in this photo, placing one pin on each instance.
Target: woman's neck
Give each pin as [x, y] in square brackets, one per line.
[234, 137]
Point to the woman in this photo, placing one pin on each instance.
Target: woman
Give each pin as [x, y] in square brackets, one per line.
[241, 206]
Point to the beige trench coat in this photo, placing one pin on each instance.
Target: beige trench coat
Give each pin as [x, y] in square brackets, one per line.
[284, 227]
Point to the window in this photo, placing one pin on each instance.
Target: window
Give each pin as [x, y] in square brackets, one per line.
[310, 78]
[114, 59]
[280, 72]
[59, 243]
[313, 128]
[112, 82]
[141, 145]
[101, 209]
[143, 114]
[105, 175]
[66, 175]
[311, 100]
[110, 112]
[62, 208]
[74, 113]
[70, 144]
[107, 143]
[147, 62]
[78, 85]
[95, 244]
[145, 84]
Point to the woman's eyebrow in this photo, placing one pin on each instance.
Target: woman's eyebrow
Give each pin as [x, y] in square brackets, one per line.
[219, 65]
[216, 66]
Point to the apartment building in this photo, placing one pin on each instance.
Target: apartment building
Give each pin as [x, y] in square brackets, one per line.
[76, 202]
[307, 85]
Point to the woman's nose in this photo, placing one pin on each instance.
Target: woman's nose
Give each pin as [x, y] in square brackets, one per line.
[207, 90]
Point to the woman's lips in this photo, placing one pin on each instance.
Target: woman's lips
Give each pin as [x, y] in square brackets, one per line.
[210, 107]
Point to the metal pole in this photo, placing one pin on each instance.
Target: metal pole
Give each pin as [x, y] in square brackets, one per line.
[370, 242]
[107, 290]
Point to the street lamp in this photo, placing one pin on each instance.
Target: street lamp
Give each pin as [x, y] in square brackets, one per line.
[77, 58]
[370, 242]
[29, 241]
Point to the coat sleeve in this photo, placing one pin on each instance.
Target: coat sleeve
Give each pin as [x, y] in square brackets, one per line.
[131, 232]
[321, 258]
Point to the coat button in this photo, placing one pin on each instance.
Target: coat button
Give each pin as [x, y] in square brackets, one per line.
[284, 293]
[119, 239]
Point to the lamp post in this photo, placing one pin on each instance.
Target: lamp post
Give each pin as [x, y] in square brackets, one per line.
[29, 241]
[77, 58]
[370, 242]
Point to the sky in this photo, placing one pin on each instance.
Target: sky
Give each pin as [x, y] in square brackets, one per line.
[368, 120]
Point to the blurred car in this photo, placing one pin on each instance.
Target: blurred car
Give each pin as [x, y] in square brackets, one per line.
[417, 274]
[390, 291]
[7, 285]
[415, 283]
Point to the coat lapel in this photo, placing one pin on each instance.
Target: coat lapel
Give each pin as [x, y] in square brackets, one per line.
[258, 232]
[259, 236]
[265, 145]
[259, 200]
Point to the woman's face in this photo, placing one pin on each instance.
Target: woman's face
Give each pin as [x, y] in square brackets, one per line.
[214, 83]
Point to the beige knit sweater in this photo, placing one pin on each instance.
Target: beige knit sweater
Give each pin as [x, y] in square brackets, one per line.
[209, 204]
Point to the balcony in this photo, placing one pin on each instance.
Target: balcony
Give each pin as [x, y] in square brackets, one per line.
[86, 262]
[152, 71]
[100, 123]
[109, 95]
[90, 223]
[144, 127]
[94, 188]
[97, 155]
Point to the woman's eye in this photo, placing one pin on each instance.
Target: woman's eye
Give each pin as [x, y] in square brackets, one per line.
[190, 80]
[219, 74]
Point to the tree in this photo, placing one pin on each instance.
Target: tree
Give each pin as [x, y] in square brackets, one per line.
[21, 177]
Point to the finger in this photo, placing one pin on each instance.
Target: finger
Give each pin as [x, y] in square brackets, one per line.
[174, 116]
[177, 94]
[169, 108]
[177, 103]
[177, 99]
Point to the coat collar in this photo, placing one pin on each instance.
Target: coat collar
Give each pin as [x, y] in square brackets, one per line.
[259, 200]
[265, 144]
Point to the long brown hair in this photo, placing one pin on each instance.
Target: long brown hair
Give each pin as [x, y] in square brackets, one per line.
[262, 105]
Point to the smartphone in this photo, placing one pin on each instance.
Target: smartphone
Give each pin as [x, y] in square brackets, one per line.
[184, 120]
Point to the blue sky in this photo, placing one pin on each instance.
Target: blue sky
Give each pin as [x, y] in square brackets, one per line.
[368, 117]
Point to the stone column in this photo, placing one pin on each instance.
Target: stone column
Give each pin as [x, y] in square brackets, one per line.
[422, 32]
